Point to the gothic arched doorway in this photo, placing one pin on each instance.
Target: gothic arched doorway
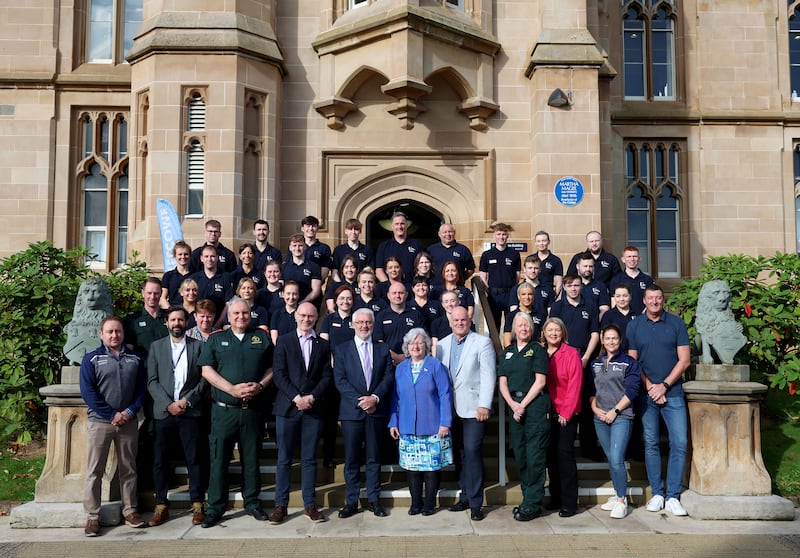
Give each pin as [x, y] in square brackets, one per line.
[423, 222]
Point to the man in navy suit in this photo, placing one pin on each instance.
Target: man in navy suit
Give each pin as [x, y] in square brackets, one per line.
[301, 372]
[364, 376]
[470, 359]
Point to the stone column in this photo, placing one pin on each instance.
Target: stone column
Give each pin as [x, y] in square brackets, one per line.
[728, 479]
[58, 500]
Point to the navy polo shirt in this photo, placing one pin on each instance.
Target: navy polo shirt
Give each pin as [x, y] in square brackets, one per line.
[171, 280]
[501, 266]
[390, 326]
[637, 285]
[303, 274]
[457, 253]
[227, 259]
[317, 252]
[465, 297]
[259, 316]
[262, 258]
[257, 275]
[282, 321]
[551, 266]
[268, 299]
[430, 311]
[537, 318]
[363, 255]
[376, 304]
[606, 266]
[543, 295]
[614, 316]
[332, 286]
[581, 320]
[596, 291]
[340, 330]
[405, 252]
[657, 343]
[217, 289]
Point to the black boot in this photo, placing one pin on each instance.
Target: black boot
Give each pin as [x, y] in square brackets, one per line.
[415, 488]
[431, 490]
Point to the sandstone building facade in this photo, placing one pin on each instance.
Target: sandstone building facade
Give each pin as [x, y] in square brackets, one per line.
[679, 118]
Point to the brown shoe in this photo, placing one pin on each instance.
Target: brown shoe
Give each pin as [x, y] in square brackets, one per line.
[278, 515]
[198, 515]
[92, 528]
[160, 515]
[314, 514]
[134, 520]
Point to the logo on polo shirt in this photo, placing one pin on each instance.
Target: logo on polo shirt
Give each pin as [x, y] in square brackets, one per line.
[642, 285]
[548, 265]
[604, 263]
[255, 340]
[411, 249]
[307, 272]
[361, 256]
[584, 314]
[596, 291]
[456, 254]
[528, 353]
[410, 322]
[218, 288]
[316, 254]
[509, 261]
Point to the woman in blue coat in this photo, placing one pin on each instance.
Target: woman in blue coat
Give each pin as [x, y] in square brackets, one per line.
[420, 419]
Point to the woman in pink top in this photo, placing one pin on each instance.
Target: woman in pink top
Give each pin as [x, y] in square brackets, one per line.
[564, 379]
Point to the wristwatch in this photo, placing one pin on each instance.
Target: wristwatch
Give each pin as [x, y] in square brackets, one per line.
[616, 410]
[666, 385]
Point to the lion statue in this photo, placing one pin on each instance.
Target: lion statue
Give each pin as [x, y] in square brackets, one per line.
[92, 304]
[717, 329]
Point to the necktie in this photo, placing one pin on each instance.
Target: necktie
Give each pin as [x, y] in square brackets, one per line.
[367, 363]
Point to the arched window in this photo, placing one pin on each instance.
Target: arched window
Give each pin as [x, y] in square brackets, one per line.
[103, 187]
[654, 186]
[648, 49]
[195, 154]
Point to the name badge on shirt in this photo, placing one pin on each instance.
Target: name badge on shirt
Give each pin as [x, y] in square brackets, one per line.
[509, 355]
[142, 324]
[492, 261]
[336, 325]
[387, 322]
[224, 343]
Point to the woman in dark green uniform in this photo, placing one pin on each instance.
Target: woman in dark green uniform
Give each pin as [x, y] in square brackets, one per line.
[523, 385]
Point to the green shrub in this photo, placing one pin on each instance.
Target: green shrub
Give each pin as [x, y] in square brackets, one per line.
[37, 293]
[765, 300]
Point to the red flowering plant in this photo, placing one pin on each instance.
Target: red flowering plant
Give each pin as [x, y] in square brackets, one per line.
[765, 299]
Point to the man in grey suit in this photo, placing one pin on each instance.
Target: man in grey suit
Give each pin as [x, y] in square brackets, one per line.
[176, 384]
[471, 361]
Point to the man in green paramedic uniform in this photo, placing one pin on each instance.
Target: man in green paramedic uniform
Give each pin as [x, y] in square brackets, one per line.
[238, 365]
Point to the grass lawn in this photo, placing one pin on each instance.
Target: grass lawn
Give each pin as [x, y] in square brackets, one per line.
[18, 473]
[780, 441]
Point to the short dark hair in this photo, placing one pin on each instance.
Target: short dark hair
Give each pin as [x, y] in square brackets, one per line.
[653, 287]
[110, 318]
[587, 255]
[260, 222]
[178, 308]
[621, 286]
[310, 220]
[153, 280]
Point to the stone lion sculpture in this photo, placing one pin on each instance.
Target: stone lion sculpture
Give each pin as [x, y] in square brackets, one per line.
[92, 304]
[717, 329]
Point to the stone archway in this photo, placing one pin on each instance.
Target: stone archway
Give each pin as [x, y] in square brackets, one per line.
[423, 222]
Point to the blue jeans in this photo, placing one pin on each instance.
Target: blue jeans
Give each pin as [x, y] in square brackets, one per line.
[613, 439]
[674, 414]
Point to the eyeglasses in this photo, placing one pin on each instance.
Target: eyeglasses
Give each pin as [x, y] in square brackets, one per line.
[364, 322]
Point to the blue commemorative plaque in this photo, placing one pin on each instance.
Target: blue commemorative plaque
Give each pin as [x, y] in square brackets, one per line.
[569, 191]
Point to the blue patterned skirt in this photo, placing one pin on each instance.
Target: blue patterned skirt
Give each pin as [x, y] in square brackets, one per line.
[425, 453]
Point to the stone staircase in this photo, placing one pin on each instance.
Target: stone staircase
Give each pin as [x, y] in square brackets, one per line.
[594, 483]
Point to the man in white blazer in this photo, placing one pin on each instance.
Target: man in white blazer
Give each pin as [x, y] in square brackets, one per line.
[471, 361]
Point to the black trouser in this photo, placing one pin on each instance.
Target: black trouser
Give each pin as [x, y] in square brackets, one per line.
[561, 466]
[415, 480]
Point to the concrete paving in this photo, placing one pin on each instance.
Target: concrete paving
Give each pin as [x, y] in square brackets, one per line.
[445, 534]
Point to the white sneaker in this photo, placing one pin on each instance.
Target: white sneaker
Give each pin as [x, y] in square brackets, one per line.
[656, 503]
[675, 507]
[620, 509]
[608, 506]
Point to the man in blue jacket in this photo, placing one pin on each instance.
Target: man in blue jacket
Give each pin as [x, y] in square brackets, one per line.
[364, 376]
[113, 383]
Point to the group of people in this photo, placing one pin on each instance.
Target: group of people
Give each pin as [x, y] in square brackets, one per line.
[237, 342]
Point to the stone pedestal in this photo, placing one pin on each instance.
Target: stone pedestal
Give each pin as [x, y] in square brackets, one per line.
[64, 472]
[728, 479]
